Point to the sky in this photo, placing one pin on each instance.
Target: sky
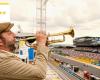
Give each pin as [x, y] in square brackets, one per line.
[83, 15]
[4, 11]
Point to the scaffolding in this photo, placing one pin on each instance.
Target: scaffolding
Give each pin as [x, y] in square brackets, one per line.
[41, 15]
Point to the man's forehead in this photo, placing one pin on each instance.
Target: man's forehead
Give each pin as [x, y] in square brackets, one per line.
[7, 32]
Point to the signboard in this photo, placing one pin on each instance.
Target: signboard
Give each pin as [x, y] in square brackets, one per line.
[31, 54]
[4, 11]
[21, 43]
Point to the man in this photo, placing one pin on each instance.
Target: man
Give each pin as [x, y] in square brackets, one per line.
[11, 67]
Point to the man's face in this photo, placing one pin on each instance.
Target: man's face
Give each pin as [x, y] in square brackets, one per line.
[8, 39]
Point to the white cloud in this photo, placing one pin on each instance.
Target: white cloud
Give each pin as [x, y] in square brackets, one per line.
[84, 14]
[22, 10]
[26, 26]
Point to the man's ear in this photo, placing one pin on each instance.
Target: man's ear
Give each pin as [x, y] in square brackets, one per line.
[1, 43]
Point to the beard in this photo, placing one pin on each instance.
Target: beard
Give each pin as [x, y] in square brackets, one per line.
[8, 44]
[11, 47]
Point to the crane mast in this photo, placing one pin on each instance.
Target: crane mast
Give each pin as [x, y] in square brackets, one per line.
[41, 15]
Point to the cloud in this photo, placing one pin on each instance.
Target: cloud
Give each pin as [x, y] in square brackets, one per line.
[22, 10]
[26, 26]
[84, 14]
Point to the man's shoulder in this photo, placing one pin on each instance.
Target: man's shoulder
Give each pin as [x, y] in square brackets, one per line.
[2, 55]
[6, 54]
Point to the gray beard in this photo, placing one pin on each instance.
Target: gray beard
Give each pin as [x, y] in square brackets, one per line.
[11, 47]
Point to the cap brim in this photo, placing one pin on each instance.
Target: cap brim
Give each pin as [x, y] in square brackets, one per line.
[9, 27]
